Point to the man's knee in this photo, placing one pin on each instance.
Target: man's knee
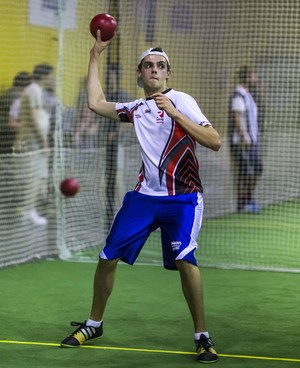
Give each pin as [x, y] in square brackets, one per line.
[107, 264]
[185, 266]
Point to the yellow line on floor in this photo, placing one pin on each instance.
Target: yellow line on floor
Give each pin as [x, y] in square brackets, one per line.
[157, 351]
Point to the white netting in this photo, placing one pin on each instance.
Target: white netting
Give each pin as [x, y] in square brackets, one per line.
[207, 41]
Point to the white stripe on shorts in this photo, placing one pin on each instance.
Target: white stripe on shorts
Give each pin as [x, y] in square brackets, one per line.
[195, 229]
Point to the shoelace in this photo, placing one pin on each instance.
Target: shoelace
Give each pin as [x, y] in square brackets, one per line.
[205, 344]
[74, 323]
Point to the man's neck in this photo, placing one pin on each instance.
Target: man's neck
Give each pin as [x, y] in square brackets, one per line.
[151, 92]
[245, 86]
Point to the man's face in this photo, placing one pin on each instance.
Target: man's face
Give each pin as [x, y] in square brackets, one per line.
[154, 73]
[252, 80]
[48, 81]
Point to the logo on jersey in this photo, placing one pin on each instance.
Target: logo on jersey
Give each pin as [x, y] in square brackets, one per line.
[175, 244]
[160, 117]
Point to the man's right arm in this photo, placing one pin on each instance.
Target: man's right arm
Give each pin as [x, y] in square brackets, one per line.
[237, 109]
[96, 98]
[244, 136]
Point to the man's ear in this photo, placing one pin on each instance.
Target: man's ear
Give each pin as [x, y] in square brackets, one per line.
[169, 75]
[139, 78]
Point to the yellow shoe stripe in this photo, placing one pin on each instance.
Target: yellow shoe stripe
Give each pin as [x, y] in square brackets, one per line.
[79, 336]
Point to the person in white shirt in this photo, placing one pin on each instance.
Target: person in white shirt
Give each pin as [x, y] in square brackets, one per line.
[243, 132]
[9, 111]
[33, 134]
[168, 195]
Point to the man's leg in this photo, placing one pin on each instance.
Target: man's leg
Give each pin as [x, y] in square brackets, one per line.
[103, 284]
[242, 191]
[93, 328]
[193, 291]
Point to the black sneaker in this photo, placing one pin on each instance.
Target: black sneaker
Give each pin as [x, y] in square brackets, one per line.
[81, 335]
[206, 352]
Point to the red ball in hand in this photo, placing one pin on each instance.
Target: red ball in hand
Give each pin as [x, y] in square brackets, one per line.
[107, 25]
[69, 187]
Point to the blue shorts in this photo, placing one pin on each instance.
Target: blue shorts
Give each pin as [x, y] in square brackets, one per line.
[179, 217]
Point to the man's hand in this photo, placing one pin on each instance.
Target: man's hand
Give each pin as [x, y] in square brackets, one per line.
[245, 139]
[163, 103]
[100, 45]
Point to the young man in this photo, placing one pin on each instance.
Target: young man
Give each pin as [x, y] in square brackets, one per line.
[169, 192]
[243, 132]
[33, 135]
[9, 102]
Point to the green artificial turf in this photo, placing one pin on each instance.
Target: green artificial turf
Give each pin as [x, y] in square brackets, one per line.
[267, 241]
[250, 315]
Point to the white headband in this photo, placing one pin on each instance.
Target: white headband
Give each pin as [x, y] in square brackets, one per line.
[150, 52]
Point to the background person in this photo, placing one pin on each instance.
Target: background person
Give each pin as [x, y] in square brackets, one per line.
[14, 124]
[33, 135]
[9, 111]
[243, 132]
[9, 126]
[168, 195]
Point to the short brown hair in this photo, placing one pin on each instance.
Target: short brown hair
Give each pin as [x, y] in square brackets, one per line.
[41, 70]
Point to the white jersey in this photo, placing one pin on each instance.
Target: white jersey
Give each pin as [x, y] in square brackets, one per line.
[34, 95]
[32, 101]
[169, 162]
[15, 108]
[243, 102]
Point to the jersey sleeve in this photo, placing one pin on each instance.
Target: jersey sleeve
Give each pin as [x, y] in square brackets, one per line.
[14, 108]
[124, 111]
[34, 95]
[238, 104]
[188, 106]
